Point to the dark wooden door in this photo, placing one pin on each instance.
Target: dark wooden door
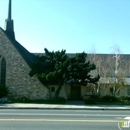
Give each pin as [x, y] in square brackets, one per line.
[75, 93]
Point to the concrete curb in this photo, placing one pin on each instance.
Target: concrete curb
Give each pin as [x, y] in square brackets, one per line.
[63, 107]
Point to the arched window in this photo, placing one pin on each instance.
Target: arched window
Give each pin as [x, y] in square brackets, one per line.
[2, 71]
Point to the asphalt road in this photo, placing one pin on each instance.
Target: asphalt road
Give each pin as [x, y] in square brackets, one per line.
[27, 119]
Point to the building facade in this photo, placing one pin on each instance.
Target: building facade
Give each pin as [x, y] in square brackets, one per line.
[16, 61]
[15, 64]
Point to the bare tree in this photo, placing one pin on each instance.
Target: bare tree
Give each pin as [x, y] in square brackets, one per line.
[116, 75]
[113, 70]
[96, 59]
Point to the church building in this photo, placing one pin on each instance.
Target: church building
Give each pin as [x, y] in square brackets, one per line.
[15, 64]
[16, 61]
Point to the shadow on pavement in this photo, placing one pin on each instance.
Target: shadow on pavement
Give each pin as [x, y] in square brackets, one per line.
[73, 102]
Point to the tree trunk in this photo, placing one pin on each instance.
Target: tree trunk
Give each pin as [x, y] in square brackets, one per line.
[58, 91]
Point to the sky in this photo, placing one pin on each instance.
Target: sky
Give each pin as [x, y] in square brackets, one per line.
[93, 26]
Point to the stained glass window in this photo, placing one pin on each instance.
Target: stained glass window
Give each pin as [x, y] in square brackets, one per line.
[3, 71]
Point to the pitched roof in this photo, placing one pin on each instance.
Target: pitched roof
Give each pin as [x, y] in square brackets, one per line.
[28, 57]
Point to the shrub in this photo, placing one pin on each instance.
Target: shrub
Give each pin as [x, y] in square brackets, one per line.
[124, 98]
[61, 99]
[109, 98]
[96, 97]
[90, 101]
[5, 100]
[127, 98]
[3, 91]
[50, 101]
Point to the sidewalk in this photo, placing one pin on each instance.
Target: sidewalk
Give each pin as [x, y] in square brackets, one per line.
[62, 107]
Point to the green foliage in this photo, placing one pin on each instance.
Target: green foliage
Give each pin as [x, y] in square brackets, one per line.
[109, 98]
[124, 98]
[51, 68]
[97, 97]
[3, 91]
[61, 99]
[90, 101]
[80, 70]
[93, 99]
[58, 68]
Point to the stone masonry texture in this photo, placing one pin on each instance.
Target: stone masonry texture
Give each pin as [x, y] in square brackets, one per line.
[20, 84]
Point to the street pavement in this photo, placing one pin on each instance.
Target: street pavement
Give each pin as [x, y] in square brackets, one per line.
[64, 106]
[41, 119]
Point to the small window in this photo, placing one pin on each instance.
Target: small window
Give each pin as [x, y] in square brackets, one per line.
[52, 89]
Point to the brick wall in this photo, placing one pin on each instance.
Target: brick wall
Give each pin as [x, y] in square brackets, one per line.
[17, 74]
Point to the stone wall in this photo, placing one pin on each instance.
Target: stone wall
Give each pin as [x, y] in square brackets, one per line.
[17, 73]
